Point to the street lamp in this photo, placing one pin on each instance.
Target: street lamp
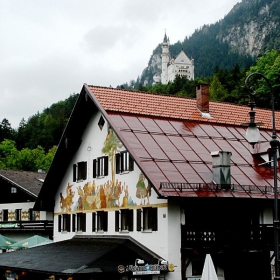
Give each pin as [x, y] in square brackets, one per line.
[252, 135]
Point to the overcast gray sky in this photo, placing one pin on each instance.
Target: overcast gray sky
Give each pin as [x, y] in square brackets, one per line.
[50, 48]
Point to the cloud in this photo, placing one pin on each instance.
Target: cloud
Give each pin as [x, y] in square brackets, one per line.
[49, 49]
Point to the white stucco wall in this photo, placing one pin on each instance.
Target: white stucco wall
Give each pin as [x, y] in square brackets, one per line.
[158, 241]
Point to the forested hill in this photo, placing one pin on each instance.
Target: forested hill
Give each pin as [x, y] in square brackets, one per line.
[247, 31]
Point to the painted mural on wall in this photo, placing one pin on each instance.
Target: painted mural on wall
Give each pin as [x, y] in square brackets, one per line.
[111, 194]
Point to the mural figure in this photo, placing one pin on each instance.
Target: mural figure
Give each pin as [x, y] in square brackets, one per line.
[142, 192]
[80, 199]
[66, 203]
[91, 196]
[126, 195]
[110, 194]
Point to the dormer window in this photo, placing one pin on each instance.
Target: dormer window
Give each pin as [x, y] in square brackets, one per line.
[124, 162]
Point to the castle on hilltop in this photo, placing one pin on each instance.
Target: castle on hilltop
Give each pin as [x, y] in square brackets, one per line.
[171, 67]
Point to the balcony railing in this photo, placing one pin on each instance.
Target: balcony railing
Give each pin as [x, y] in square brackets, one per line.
[36, 225]
[206, 236]
[211, 187]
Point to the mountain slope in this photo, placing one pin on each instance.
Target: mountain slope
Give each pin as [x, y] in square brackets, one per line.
[247, 31]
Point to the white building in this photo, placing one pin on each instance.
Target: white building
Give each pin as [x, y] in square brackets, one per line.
[181, 65]
[143, 186]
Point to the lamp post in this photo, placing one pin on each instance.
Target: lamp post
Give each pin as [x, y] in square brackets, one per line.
[252, 135]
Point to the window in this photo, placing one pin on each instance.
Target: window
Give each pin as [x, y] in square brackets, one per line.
[13, 190]
[101, 122]
[80, 171]
[81, 222]
[124, 162]
[100, 221]
[124, 220]
[64, 222]
[18, 214]
[31, 215]
[100, 167]
[147, 219]
[5, 215]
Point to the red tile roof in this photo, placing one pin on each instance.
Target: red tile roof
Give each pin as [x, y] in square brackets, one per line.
[156, 105]
[172, 142]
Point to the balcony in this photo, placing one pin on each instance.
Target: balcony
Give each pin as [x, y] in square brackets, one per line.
[225, 236]
[35, 225]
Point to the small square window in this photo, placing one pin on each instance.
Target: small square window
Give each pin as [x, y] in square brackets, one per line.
[13, 190]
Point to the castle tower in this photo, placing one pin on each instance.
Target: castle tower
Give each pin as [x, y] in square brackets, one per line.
[165, 58]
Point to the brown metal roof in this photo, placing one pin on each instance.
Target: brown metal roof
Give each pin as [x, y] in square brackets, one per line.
[172, 142]
[30, 182]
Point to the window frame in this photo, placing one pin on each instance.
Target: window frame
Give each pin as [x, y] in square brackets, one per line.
[5, 217]
[100, 167]
[80, 171]
[80, 222]
[124, 163]
[124, 220]
[147, 219]
[100, 221]
[64, 223]
[13, 190]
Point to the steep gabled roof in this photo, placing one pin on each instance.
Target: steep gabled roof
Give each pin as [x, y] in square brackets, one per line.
[171, 142]
[182, 58]
[27, 181]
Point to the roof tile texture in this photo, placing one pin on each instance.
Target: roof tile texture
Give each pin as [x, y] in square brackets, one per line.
[30, 181]
[158, 105]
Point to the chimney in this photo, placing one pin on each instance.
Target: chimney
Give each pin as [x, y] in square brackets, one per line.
[202, 98]
[221, 168]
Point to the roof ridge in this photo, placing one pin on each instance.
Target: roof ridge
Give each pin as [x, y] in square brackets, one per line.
[138, 91]
[177, 97]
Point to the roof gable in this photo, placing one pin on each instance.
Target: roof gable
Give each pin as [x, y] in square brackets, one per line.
[182, 58]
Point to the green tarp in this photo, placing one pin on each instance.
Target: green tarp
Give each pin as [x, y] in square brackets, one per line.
[32, 241]
[5, 242]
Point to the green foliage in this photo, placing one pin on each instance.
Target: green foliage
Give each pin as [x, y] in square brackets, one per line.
[32, 146]
[269, 66]
[45, 129]
[6, 131]
[25, 159]
[217, 91]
